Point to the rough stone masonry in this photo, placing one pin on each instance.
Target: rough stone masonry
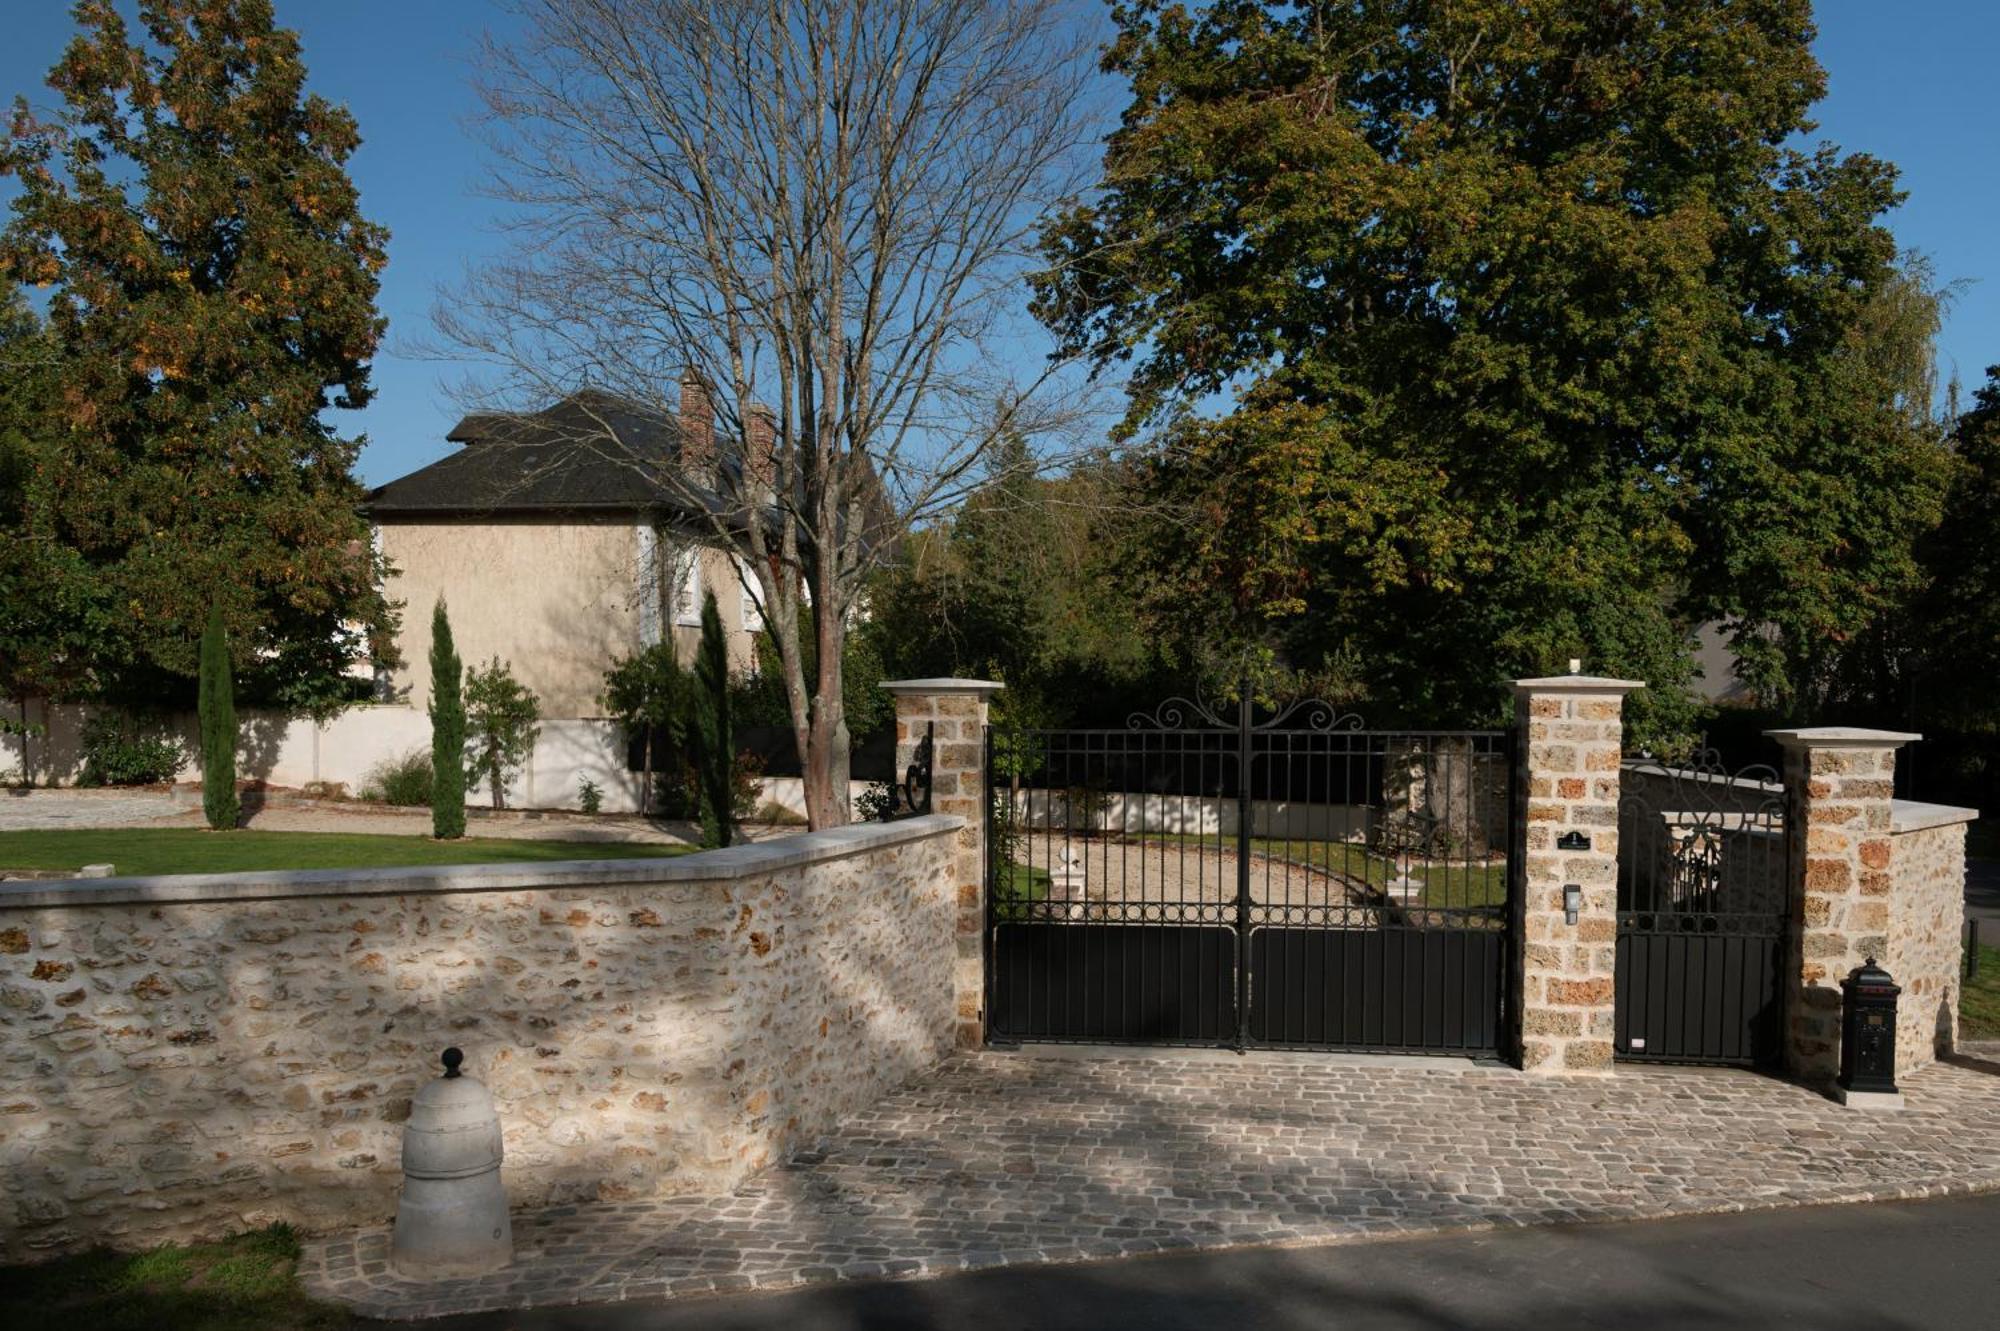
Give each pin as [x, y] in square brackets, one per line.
[1571, 736]
[181, 1057]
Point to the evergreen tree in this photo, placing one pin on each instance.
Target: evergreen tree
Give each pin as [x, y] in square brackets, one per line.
[213, 289]
[713, 735]
[447, 732]
[217, 710]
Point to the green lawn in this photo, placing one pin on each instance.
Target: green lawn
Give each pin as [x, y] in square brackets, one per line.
[153, 850]
[1979, 1007]
[244, 1283]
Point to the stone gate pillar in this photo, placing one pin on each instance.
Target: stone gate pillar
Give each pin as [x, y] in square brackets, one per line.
[953, 711]
[1570, 740]
[1839, 785]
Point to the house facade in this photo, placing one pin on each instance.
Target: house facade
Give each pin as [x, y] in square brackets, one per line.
[558, 544]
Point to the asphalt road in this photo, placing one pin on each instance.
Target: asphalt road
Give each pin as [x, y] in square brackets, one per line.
[1890, 1265]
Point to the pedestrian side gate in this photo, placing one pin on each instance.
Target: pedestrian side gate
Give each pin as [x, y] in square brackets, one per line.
[1702, 892]
[1298, 881]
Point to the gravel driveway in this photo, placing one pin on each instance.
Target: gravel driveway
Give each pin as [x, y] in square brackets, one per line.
[23, 811]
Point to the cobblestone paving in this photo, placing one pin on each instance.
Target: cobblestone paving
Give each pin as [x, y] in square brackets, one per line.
[998, 1159]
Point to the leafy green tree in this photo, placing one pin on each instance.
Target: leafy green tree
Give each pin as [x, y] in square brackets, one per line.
[646, 693]
[212, 290]
[447, 732]
[217, 714]
[1954, 627]
[1037, 581]
[1475, 338]
[501, 716]
[714, 738]
[56, 620]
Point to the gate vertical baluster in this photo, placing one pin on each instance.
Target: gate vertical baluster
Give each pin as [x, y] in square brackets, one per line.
[1243, 868]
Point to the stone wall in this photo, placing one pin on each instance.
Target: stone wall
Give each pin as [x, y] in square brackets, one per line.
[1926, 929]
[185, 1056]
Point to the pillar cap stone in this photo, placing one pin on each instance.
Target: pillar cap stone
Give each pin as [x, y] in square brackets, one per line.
[1578, 684]
[983, 688]
[1842, 737]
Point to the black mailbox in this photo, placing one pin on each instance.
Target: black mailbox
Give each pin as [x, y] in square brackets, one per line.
[1868, 1030]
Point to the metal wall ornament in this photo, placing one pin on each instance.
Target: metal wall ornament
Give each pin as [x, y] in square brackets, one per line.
[912, 795]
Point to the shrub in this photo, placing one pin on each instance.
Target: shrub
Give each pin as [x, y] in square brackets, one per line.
[121, 750]
[500, 715]
[590, 796]
[777, 815]
[647, 695]
[873, 804]
[404, 781]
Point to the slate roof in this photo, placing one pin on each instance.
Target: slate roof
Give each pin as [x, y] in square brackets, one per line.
[591, 452]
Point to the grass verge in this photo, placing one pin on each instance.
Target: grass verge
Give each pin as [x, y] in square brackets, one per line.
[1979, 1004]
[158, 850]
[247, 1282]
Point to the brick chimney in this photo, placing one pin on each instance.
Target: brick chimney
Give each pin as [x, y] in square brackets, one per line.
[697, 429]
[760, 446]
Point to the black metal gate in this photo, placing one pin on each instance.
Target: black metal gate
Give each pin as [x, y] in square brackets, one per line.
[1298, 881]
[1702, 861]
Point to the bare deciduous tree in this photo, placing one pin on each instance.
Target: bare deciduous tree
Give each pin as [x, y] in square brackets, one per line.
[810, 217]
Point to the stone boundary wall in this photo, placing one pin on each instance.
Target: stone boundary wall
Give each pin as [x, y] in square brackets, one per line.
[1926, 925]
[189, 1055]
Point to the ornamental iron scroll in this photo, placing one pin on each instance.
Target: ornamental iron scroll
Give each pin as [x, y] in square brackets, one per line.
[912, 795]
[1698, 839]
[1313, 715]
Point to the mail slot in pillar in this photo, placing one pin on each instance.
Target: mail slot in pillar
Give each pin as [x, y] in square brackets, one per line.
[1868, 1037]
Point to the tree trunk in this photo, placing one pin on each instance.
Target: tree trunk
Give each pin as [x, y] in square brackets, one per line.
[827, 756]
[493, 758]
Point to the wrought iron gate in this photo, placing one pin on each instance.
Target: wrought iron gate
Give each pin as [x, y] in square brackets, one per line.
[1298, 881]
[1702, 890]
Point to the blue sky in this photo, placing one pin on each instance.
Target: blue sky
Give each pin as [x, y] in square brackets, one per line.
[1912, 82]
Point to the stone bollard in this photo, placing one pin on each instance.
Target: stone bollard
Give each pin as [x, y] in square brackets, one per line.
[452, 1217]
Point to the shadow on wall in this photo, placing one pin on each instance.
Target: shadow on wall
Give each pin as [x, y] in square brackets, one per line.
[212, 1066]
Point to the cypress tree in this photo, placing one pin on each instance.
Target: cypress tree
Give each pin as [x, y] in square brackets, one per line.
[714, 736]
[447, 732]
[217, 710]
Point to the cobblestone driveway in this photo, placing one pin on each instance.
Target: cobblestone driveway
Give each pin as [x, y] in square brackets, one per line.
[1000, 1158]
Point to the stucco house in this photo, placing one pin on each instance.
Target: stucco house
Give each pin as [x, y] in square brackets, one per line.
[557, 546]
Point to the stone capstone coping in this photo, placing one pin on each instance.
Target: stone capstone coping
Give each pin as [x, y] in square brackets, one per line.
[719, 866]
[1913, 816]
[982, 687]
[1578, 684]
[1842, 737]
